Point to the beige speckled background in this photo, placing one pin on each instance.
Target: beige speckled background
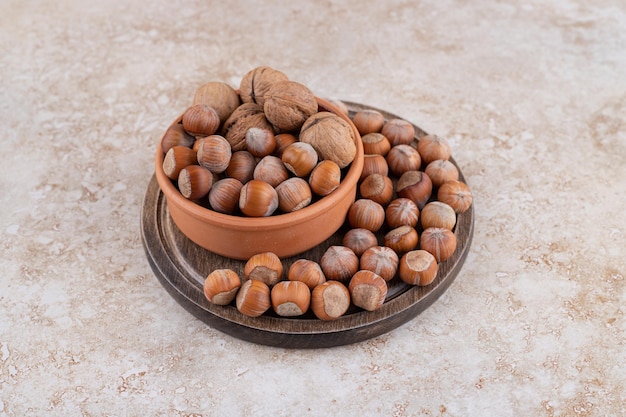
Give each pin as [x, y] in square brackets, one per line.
[531, 95]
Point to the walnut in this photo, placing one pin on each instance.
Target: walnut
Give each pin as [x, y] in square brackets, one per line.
[255, 83]
[219, 95]
[243, 118]
[288, 104]
[331, 136]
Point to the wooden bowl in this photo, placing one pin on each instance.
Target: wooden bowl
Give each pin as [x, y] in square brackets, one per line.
[240, 237]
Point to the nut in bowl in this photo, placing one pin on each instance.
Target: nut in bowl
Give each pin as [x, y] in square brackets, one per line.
[333, 318]
[238, 236]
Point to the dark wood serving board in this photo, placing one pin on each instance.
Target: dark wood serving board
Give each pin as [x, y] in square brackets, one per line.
[181, 266]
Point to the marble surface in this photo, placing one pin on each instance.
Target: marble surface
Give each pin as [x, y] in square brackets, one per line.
[531, 95]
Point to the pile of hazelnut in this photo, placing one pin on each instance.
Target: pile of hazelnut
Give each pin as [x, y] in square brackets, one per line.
[264, 150]
[267, 150]
[409, 197]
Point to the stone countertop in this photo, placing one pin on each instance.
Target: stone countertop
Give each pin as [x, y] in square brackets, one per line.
[530, 94]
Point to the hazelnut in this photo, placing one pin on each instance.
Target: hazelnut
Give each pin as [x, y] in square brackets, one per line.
[283, 140]
[194, 182]
[401, 239]
[418, 267]
[416, 186]
[331, 137]
[299, 158]
[403, 158]
[307, 271]
[380, 260]
[224, 195]
[290, 298]
[244, 117]
[378, 188]
[438, 241]
[339, 263]
[368, 121]
[260, 142]
[366, 214]
[214, 154]
[359, 240]
[271, 170]
[438, 214]
[288, 105]
[265, 267]
[258, 199]
[175, 135]
[220, 96]
[433, 147]
[177, 158]
[241, 166]
[293, 194]
[221, 286]
[325, 178]
[367, 290]
[401, 211]
[197, 143]
[253, 298]
[456, 194]
[398, 132]
[256, 82]
[330, 300]
[201, 120]
[374, 164]
[440, 171]
[375, 143]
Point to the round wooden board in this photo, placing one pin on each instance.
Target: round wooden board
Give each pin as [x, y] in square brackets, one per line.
[181, 266]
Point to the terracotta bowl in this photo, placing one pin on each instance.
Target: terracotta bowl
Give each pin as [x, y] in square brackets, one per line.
[286, 235]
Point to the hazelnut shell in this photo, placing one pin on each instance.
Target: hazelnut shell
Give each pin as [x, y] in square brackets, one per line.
[330, 300]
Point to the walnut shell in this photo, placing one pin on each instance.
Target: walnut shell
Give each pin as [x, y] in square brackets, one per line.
[243, 118]
[288, 104]
[256, 82]
[331, 137]
[219, 95]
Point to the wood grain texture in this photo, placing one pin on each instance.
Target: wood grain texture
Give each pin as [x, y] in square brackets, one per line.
[181, 266]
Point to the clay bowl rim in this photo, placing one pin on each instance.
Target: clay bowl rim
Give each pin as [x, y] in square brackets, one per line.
[278, 221]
